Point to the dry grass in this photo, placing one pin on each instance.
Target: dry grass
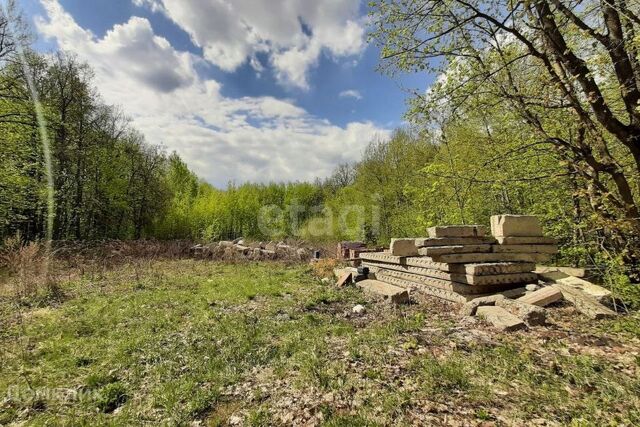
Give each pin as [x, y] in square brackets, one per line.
[28, 265]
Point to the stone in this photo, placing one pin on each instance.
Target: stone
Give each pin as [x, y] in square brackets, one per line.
[302, 253]
[238, 240]
[326, 280]
[457, 231]
[531, 314]
[392, 293]
[542, 297]
[271, 246]
[534, 249]
[500, 318]
[422, 242]
[403, 247]
[225, 244]
[358, 310]
[532, 287]
[526, 240]
[598, 292]
[470, 308]
[584, 303]
[458, 249]
[515, 226]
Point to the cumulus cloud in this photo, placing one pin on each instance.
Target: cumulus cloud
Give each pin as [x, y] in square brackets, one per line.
[351, 93]
[222, 139]
[293, 33]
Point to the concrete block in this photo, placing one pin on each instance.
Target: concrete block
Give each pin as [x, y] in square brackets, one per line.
[457, 231]
[392, 293]
[515, 226]
[531, 314]
[542, 297]
[470, 308]
[403, 247]
[500, 318]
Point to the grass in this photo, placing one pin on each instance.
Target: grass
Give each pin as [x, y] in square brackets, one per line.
[173, 342]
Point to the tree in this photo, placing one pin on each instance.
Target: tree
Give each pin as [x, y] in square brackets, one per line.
[569, 69]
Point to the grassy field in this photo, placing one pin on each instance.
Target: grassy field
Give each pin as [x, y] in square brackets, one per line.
[203, 343]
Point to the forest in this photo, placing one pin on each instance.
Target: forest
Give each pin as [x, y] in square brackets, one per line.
[535, 111]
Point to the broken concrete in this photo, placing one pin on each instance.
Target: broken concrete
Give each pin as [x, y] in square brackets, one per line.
[531, 314]
[392, 293]
[515, 226]
[470, 308]
[542, 297]
[598, 292]
[584, 303]
[457, 231]
[500, 318]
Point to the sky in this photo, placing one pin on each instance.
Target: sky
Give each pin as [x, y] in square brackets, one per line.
[242, 90]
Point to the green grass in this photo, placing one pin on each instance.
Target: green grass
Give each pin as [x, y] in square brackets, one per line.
[176, 341]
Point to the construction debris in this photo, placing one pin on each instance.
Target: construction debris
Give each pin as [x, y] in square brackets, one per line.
[484, 273]
[500, 318]
[542, 297]
[584, 303]
[394, 294]
[558, 277]
[459, 263]
[532, 315]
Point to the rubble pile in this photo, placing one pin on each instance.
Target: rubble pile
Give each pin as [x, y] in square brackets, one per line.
[494, 276]
[462, 262]
[242, 249]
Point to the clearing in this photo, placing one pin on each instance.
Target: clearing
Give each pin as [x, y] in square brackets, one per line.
[187, 342]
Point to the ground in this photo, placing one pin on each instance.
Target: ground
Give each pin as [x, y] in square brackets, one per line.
[185, 342]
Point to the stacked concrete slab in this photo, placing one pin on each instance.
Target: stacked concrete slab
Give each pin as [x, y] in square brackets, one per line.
[462, 262]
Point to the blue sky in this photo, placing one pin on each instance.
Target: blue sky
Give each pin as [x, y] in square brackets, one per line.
[243, 90]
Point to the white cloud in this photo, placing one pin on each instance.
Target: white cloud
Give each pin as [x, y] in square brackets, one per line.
[222, 139]
[351, 93]
[293, 33]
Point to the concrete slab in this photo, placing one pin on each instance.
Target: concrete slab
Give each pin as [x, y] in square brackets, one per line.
[535, 249]
[403, 247]
[542, 297]
[457, 231]
[457, 249]
[515, 226]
